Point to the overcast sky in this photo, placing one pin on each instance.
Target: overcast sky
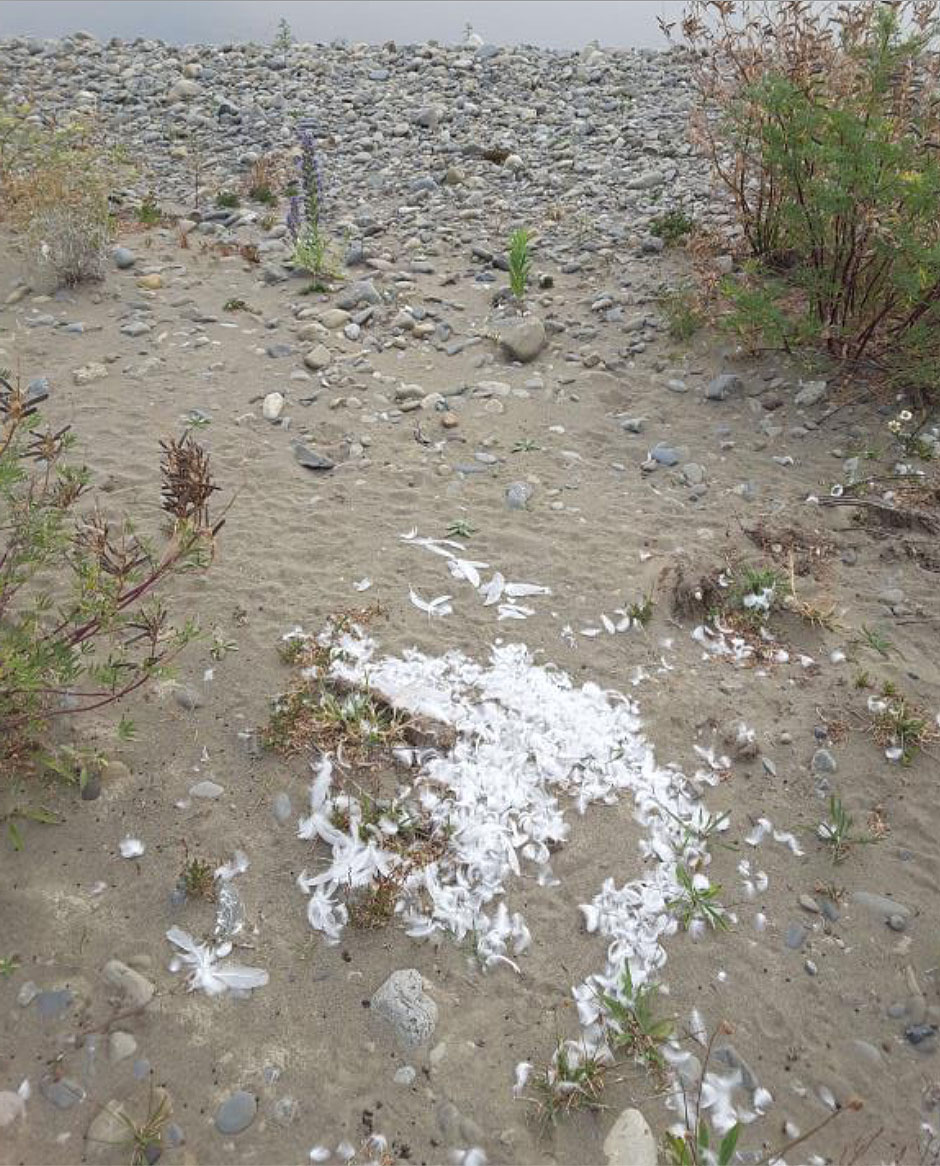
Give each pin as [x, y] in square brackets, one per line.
[557, 23]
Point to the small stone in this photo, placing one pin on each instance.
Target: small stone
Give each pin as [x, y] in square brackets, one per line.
[405, 1075]
[630, 1141]
[523, 342]
[404, 1004]
[210, 790]
[518, 495]
[236, 1113]
[897, 922]
[188, 697]
[918, 1033]
[318, 358]
[124, 258]
[664, 454]
[27, 994]
[881, 905]
[54, 1004]
[449, 421]
[824, 762]
[795, 936]
[632, 424]
[334, 318]
[272, 406]
[281, 808]
[63, 1093]
[720, 388]
[310, 459]
[136, 328]
[152, 282]
[808, 903]
[121, 1045]
[136, 989]
[93, 371]
[811, 393]
[278, 351]
[108, 1128]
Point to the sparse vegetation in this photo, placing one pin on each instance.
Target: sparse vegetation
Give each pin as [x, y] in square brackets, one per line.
[8, 965]
[672, 227]
[520, 263]
[81, 626]
[460, 528]
[573, 1080]
[227, 199]
[636, 1030]
[898, 725]
[312, 252]
[682, 312]
[641, 611]
[235, 305]
[197, 879]
[837, 832]
[149, 212]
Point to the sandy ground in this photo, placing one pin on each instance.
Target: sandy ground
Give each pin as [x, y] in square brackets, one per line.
[827, 1020]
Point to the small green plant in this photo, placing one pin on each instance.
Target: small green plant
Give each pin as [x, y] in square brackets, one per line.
[641, 611]
[74, 765]
[681, 311]
[877, 641]
[525, 445]
[460, 528]
[8, 965]
[573, 1080]
[263, 194]
[197, 879]
[221, 647]
[520, 264]
[838, 834]
[862, 679]
[697, 901]
[694, 1147]
[149, 212]
[227, 199]
[672, 226]
[637, 1030]
[235, 305]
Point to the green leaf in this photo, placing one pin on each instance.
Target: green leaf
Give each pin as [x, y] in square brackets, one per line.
[728, 1144]
[703, 1134]
[15, 836]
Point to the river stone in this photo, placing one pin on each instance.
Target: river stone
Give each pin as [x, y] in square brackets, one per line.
[53, 1004]
[63, 1093]
[310, 459]
[318, 358]
[121, 1045]
[630, 1141]
[124, 258]
[523, 342]
[404, 1004]
[881, 905]
[136, 989]
[811, 393]
[236, 1113]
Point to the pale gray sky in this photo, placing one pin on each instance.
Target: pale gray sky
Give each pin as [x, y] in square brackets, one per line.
[555, 23]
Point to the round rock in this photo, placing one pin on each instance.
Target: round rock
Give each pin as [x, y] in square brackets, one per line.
[404, 1004]
[236, 1113]
[630, 1141]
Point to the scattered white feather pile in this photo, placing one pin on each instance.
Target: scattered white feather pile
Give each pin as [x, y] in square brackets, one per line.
[205, 970]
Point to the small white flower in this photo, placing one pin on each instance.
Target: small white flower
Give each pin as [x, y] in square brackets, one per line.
[905, 415]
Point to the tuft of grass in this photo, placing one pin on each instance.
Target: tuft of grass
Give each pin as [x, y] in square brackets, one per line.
[573, 1080]
[520, 263]
[263, 194]
[8, 965]
[373, 906]
[696, 903]
[672, 227]
[227, 199]
[682, 312]
[838, 833]
[525, 445]
[900, 724]
[877, 641]
[145, 1139]
[234, 305]
[637, 1030]
[641, 612]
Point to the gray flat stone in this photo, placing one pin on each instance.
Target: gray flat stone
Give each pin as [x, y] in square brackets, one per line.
[236, 1113]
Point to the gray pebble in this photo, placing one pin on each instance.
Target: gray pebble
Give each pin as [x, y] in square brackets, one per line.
[53, 1004]
[63, 1093]
[209, 790]
[897, 922]
[236, 1113]
[188, 697]
[795, 936]
[824, 762]
[518, 495]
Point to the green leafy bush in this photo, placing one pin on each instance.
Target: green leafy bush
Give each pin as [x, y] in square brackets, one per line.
[520, 264]
[80, 624]
[824, 131]
[672, 226]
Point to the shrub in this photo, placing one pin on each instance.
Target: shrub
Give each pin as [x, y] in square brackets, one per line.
[227, 199]
[55, 187]
[80, 624]
[823, 129]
